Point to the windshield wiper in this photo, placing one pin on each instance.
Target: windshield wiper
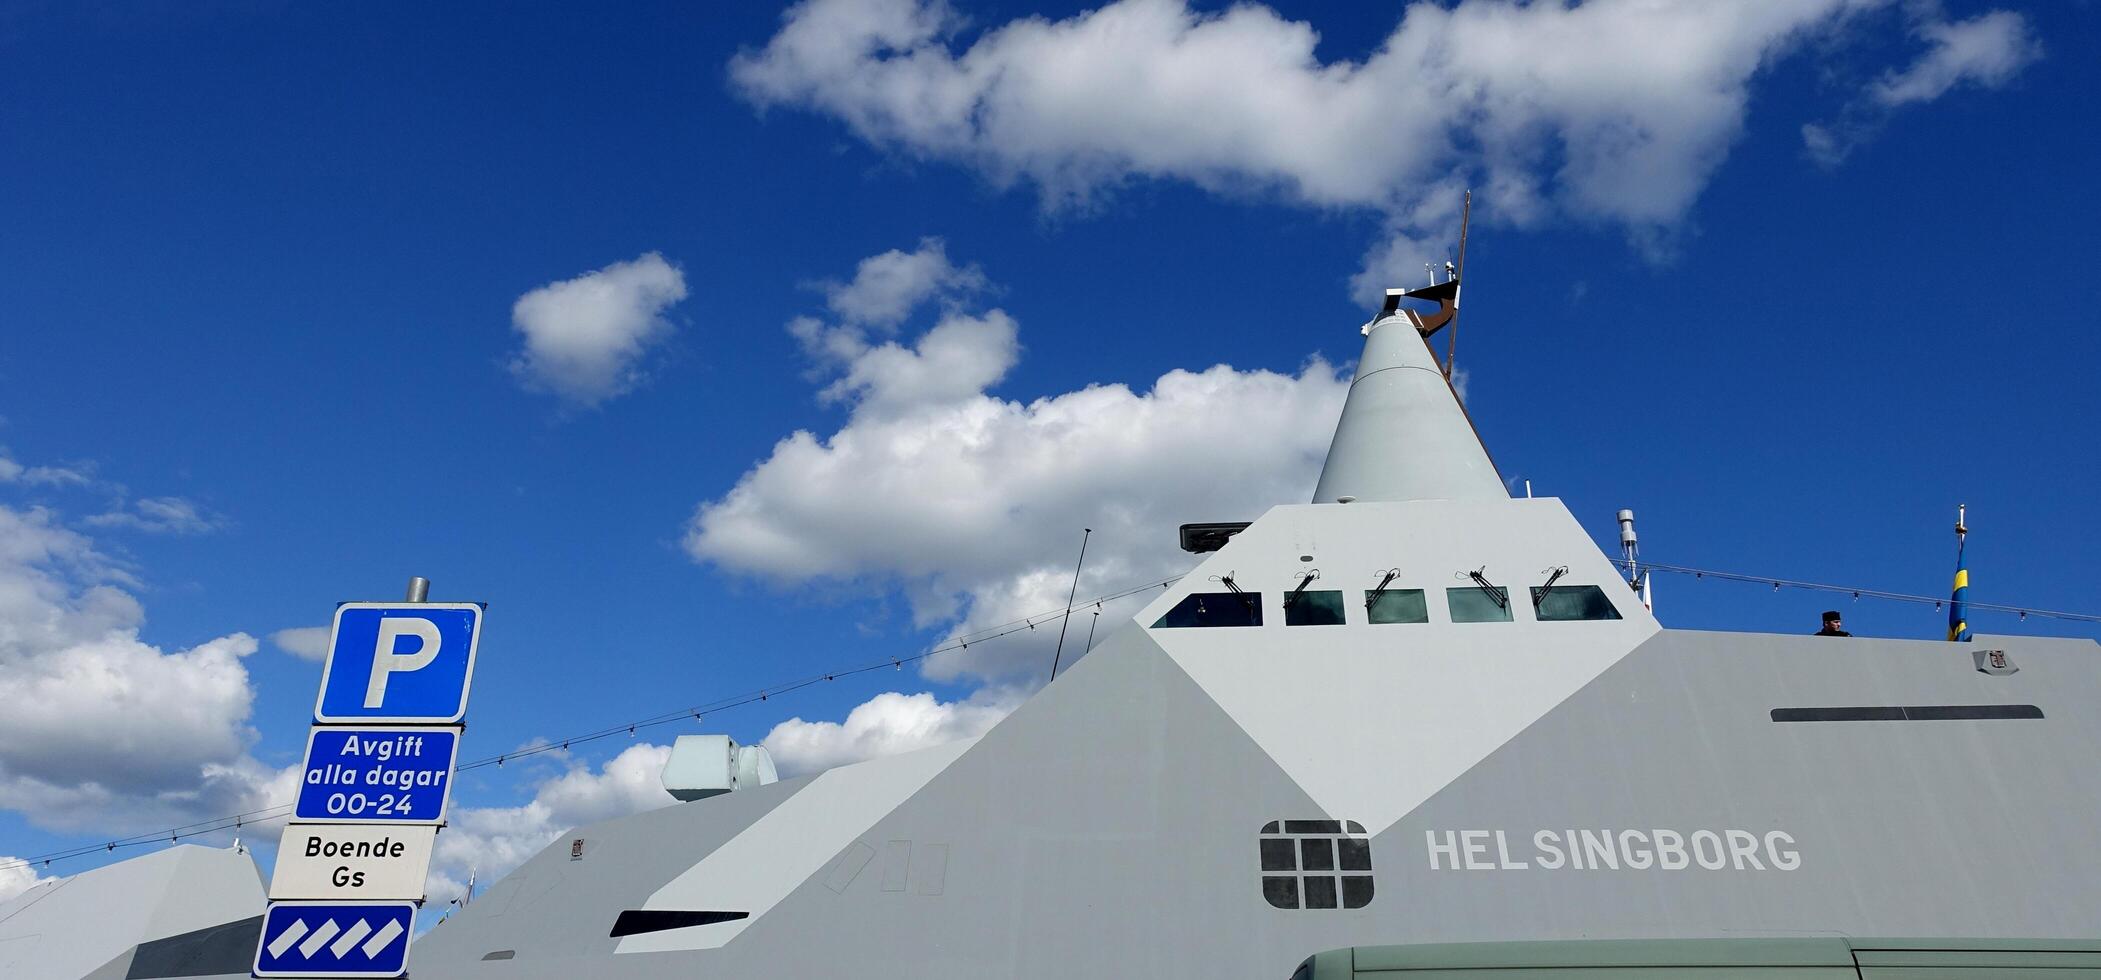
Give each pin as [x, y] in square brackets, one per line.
[1554, 575]
[1372, 598]
[1495, 593]
[1293, 597]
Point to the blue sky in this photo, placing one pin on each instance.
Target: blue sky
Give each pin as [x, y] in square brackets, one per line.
[1791, 284]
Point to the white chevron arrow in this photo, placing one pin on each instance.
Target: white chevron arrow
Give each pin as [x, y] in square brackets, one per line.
[313, 943]
[286, 938]
[383, 938]
[349, 938]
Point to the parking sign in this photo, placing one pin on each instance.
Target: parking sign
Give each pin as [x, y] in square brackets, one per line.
[399, 663]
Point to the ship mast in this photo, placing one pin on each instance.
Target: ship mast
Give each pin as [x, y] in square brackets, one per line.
[1403, 434]
[1451, 340]
[1445, 294]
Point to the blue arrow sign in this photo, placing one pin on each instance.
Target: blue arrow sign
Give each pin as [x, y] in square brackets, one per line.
[335, 939]
[406, 663]
[377, 775]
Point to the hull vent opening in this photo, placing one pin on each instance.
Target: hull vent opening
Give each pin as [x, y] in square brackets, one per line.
[637, 921]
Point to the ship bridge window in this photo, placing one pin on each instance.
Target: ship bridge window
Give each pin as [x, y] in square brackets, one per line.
[1398, 606]
[1572, 602]
[1473, 604]
[1313, 609]
[1213, 609]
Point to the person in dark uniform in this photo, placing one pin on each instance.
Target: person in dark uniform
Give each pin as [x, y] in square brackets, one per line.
[1833, 625]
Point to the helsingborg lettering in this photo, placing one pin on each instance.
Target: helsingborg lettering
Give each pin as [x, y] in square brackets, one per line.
[1634, 850]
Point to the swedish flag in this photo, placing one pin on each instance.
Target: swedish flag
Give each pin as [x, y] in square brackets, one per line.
[1958, 603]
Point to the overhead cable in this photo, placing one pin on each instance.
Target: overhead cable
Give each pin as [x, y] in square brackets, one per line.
[1858, 593]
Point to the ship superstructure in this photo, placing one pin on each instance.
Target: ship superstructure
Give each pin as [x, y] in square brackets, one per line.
[1413, 710]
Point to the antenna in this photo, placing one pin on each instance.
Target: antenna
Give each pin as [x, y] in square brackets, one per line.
[1445, 294]
[1637, 576]
[1082, 563]
[1458, 273]
[1630, 546]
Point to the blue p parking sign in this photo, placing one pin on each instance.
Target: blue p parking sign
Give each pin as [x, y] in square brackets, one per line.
[399, 663]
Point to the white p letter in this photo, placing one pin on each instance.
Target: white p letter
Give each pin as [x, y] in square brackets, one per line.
[385, 661]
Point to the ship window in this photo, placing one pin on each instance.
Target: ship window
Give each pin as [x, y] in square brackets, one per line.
[1399, 606]
[1213, 609]
[1356, 853]
[1317, 853]
[1316, 864]
[1277, 855]
[1313, 609]
[1473, 604]
[1282, 891]
[1320, 891]
[1568, 602]
[1356, 891]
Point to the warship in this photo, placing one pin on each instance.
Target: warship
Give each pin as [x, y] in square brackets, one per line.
[1417, 710]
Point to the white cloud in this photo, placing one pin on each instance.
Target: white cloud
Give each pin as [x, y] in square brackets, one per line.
[15, 878]
[1987, 50]
[886, 724]
[304, 642]
[160, 515]
[888, 287]
[973, 505]
[488, 842]
[116, 711]
[50, 476]
[56, 476]
[961, 356]
[99, 729]
[1613, 110]
[585, 337]
[883, 293]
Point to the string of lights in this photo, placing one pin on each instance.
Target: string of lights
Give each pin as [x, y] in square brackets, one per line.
[1936, 602]
[266, 815]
